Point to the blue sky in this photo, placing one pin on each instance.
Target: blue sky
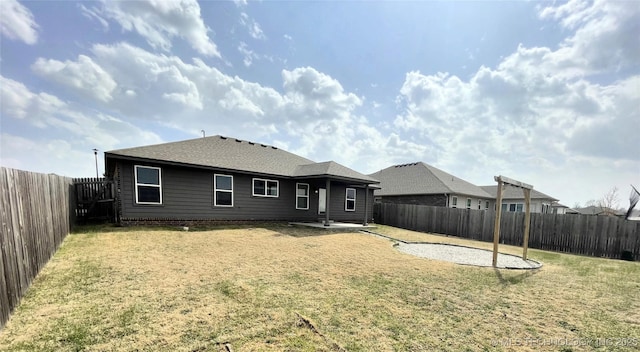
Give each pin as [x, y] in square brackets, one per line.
[544, 92]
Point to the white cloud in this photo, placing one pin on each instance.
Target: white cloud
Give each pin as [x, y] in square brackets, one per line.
[20, 103]
[537, 113]
[83, 75]
[93, 14]
[160, 21]
[606, 33]
[249, 55]
[69, 129]
[155, 88]
[252, 26]
[17, 22]
[240, 3]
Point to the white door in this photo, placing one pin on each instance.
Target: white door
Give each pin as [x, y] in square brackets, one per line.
[322, 200]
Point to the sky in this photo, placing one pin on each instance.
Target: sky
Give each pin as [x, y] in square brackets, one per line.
[547, 93]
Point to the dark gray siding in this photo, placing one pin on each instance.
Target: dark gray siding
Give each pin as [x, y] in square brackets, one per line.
[187, 194]
[438, 200]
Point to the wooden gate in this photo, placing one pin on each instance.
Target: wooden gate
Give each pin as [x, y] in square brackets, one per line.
[95, 200]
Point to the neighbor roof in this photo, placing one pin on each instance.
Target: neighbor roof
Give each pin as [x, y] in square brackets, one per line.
[511, 192]
[235, 154]
[421, 178]
[597, 210]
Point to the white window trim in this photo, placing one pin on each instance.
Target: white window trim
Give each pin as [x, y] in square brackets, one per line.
[159, 185]
[479, 204]
[454, 201]
[346, 199]
[215, 190]
[468, 203]
[486, 205]
[299, 196]
[253, 189]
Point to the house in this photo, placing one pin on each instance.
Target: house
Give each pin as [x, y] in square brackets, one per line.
[421, 183]
[217, 179]
[513, 199]
[598, 210]
[558, 208]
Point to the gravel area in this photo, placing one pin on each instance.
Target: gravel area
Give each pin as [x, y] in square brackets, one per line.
[465, 255]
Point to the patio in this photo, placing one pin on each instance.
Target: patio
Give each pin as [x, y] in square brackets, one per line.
[344, 226]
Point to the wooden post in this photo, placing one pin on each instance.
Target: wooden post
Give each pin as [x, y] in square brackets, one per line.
[527, 221]
[326, 206]
[496, 227]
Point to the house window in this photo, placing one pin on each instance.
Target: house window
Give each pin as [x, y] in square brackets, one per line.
[468, 203]
[223, 190]
[302, 196]
[265, 188]
[454, 202]
[350, 201]
[148, 185]
[486, 205]
[513, 207]
[479, 204]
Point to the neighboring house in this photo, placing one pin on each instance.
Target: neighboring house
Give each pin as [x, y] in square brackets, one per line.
[597, 210]
[226, 179]
[557, 208]
[513, 199]
[420, 183]
[571, 211]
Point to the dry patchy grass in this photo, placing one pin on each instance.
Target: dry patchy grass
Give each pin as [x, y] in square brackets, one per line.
[281, 288]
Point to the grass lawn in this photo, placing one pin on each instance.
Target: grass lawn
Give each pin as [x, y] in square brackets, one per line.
[278, 288]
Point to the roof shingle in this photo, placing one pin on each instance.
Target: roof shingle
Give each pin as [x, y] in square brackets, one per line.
[422, 178]
[236, 154]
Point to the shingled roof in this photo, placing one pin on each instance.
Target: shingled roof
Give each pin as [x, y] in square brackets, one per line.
[515, 193]
[422, 178]
[235, 154]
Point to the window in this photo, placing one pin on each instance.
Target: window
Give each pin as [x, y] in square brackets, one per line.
[223, 190]
[265, 188]
[302, 196]
[148, 185]
[479, 204]
[350, 201]
[454, 202]
[468, 203]
[513, 207]
[486, 205]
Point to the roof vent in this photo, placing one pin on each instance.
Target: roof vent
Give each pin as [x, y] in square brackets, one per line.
[251, 143]
[238, 140]
[263, 146]
[223, 137]
[272, 147]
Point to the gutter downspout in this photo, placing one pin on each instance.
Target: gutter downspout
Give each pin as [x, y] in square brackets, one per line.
[328, 203]
[366, 205]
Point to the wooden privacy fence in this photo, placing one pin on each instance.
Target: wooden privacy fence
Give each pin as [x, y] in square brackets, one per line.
[598, 236]
[35, 219]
